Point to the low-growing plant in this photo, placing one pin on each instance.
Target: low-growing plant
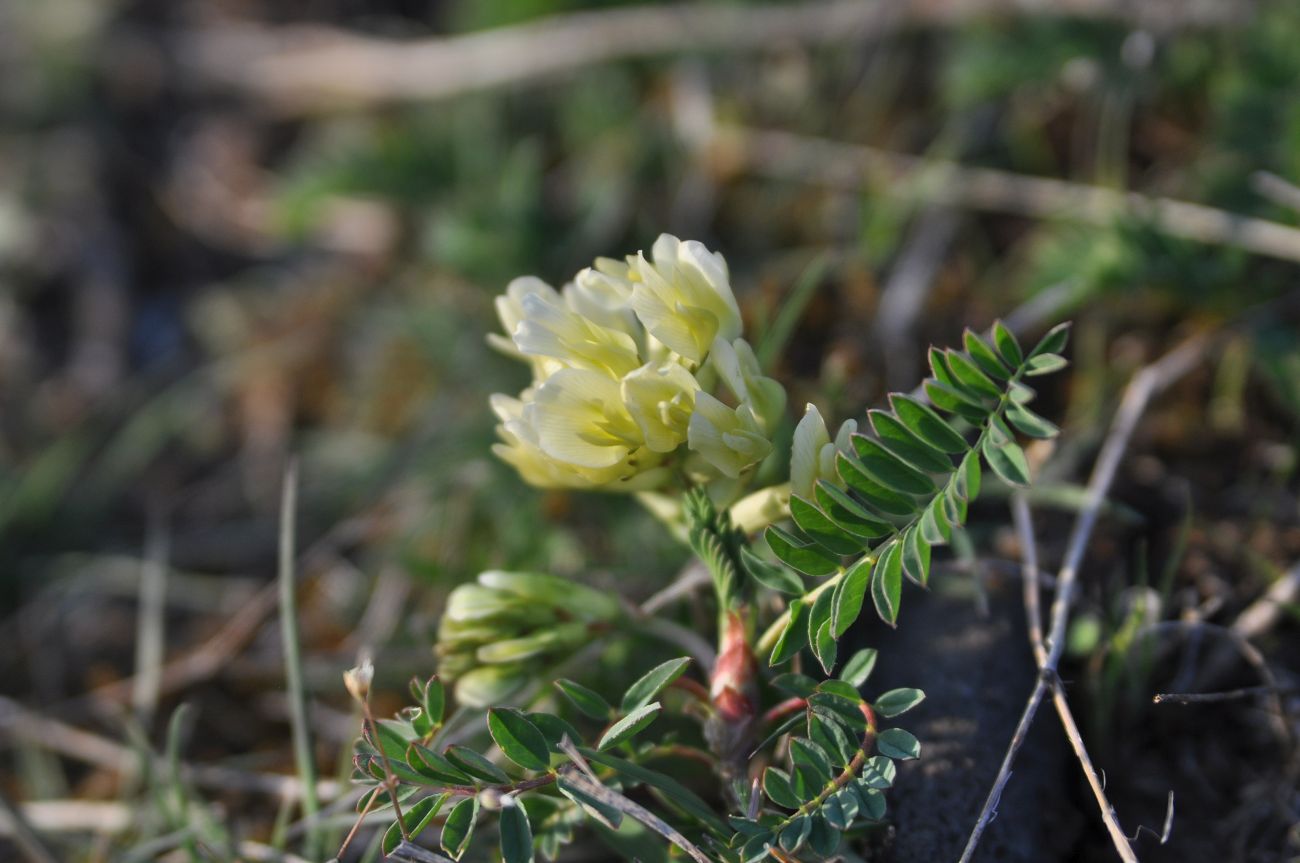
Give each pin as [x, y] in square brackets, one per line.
[643, 383]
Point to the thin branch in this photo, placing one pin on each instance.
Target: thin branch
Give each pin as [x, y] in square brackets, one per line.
[294, 70]
[694, 575]
[1144, 385]
[686, 639]
[818, 161]
[1034, 618]
[1260, 616]
[1228, 695]
[1029, 570]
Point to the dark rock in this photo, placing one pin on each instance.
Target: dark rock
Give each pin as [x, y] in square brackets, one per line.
[976, 669]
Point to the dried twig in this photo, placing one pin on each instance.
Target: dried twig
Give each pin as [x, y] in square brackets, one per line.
[1228, 695]
[1260, 616]
[1145, 384]
[306, 69]
[818, 161]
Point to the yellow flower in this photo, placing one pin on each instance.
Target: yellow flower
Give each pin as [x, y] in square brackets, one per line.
[730, 440]
[581, 420]
[615, 356]
[738, 367]
[660, 399]
[683, 296]
[521, 448]
[812, 455]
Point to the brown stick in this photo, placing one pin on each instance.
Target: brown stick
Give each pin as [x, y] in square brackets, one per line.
[786, 156]
[295, 70]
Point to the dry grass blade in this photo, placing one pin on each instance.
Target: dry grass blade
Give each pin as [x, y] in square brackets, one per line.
[304, 754]
[149, 645]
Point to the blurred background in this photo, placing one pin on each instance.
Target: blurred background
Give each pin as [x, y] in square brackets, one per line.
[236, 231]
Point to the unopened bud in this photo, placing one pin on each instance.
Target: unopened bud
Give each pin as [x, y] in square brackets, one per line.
[358, 680]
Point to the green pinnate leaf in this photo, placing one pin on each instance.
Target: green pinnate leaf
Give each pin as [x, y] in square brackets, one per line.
[967, 479]
[807, 753]
[849, 595]
[916, 556]
[871, 802]
[644, 690]
[970, 379]
[984, 356]
[933, 525]
[896, 702]
[516, 834]
[807, 558]
[899, 744]
[1054, 342]
[1008, 347]
[878, 772]
[859, 667]
[821, 529]
[888, 469]
[435, 701]
[416, 819]
[797, 685]
[823, 839]
[824, 646]
[830, 736]
[903, 443]
[849, 515]
[795, 635]
[796, 833]
[771, 575]
[860, 480]
[459, 827]
[554, 729]
[629, 726]
[887, 583]
[777, 787]
[518, 739]
[1008, 462]
[940, 369]
[927, 425]
[956, 402]
[437, 767]
[475, 764]
[1031, 423]
[587, 701]
[1045, 364]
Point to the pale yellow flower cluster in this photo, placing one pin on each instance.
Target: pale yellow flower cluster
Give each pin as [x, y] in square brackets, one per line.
[623, 358]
